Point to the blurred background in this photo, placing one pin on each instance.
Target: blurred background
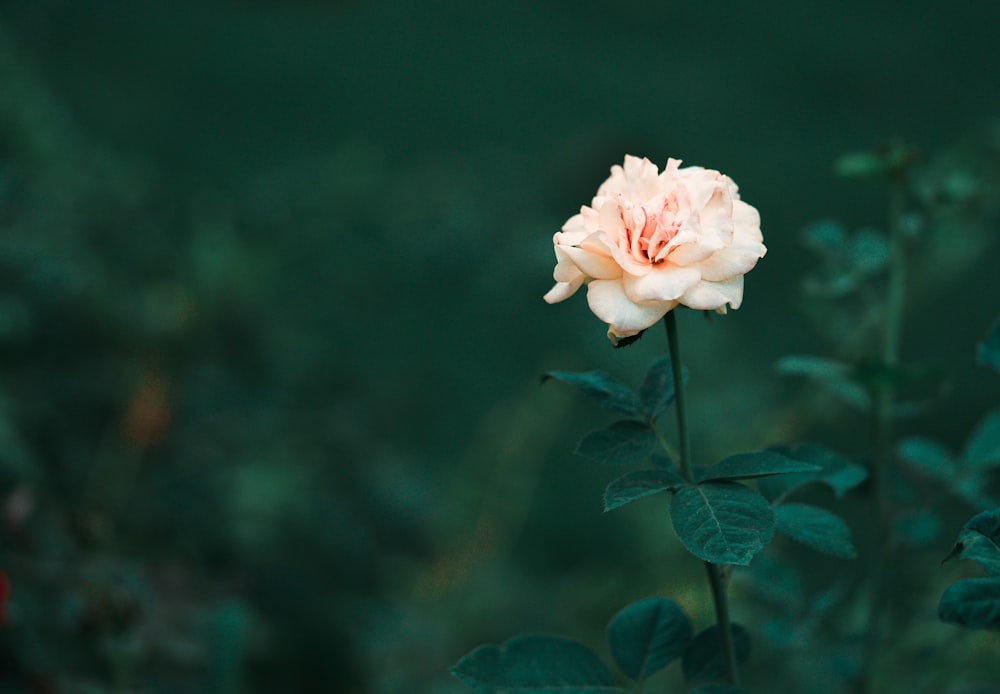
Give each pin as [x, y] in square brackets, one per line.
[271, 322]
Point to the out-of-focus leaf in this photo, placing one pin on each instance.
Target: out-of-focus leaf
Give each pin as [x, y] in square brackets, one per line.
[815, 527]
[647, 635]
[927, 456]
[869, 251]
[658, 390]
[836, 471]
[917, 529]
[623, 443]
[533, 665]
[983, 447]
[605, 390]
[638, 484]
[704, 658]
[835, 376]
[859, 165]
[973, 603]
[722, 522]
[989, 348]
[756, 464]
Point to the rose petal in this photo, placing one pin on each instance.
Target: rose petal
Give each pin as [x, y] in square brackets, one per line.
[592, 262]
[563, 290]
[665, 282]
[707, 296]
[609, 302]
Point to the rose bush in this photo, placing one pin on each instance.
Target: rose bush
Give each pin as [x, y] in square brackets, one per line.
[652, 241]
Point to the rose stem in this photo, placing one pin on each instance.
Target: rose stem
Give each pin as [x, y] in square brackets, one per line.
[884, 394]
[714, 576]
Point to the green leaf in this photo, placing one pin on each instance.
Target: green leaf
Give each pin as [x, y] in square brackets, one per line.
[533, 665]
[973, 603]
[758, 464]
[647, 635]
[979, 540]
[815, 527]
[989, 348]
[704, 658]
[639, 483]
[837, 472]
[605, 390]
[835, 376]
[722, 522]
[657, 391]
[716, 688]
[928, 457]
[622, 443]
[983, 448]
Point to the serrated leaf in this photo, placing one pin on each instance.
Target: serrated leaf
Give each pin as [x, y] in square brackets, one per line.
[757, 464]
[647, 635]
[704, 658]
[983, 448]
[927, 456]
[815, 527]
[535, 664]
[835, 376]
[722, 522]
[638, 484]
[658, 391]
[989, 348]
[837, 472]
[973, 603]
[605, 390]
[623, 443]
[979, 540]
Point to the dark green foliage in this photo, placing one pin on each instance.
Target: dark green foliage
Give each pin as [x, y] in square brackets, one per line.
[647, 635]
[751, 465]
[623, 443]
[715, 688]
[982, 450]
[638, 484]
[989, 348]
[704, 658]
[836, 472]
[973, 603]
[979, 540]
[535, 664]
[657, 390]
[815, 527]
[966, 476]
[722, 522]
[605, 390]
[836, 376]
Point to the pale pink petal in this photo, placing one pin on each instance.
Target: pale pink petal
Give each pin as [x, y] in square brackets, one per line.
[563, 290]
[599, 265]
[709, 296]
[665, 282]
[738, 258]
[609, 302]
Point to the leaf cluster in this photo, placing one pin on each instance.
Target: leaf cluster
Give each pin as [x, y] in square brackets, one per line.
[643, 638]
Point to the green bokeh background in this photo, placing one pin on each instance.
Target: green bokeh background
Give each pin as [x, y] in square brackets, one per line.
[271, 315]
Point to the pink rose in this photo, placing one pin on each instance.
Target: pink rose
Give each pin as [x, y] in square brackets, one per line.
[651, 241]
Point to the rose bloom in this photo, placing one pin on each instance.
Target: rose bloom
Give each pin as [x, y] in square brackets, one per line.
[652, 241]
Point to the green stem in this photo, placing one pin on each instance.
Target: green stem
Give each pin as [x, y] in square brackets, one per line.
[714, 575]
[883, 398]
[680, 402]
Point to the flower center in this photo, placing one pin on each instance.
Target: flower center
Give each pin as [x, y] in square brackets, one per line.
[647, 233]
